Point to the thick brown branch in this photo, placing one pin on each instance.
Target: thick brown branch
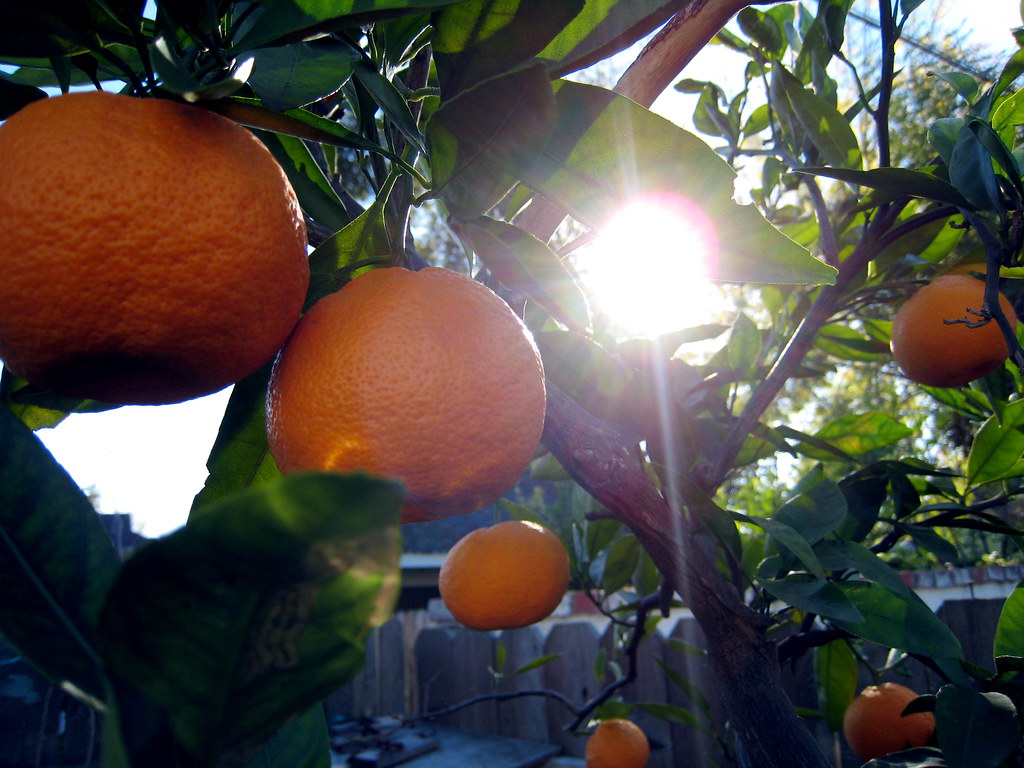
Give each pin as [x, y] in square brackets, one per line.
[611, 468]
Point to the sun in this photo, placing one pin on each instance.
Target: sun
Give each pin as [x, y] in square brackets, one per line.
[648, 270]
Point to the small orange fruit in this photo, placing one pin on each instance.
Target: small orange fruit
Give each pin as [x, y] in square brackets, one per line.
[932, 352]
[506, 576]
[427, 377]
[617, 743]
[151, 251]
[874, 724]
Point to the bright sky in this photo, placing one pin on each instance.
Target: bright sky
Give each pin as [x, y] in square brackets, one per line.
[150, 461]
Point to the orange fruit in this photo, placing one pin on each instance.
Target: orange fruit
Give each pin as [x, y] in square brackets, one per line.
[506, 576]
[932, 352]
[427, 377]
[151, 251]
[617, 743]
[874, 724]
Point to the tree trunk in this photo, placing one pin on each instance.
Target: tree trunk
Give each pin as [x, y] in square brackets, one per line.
[743, 659]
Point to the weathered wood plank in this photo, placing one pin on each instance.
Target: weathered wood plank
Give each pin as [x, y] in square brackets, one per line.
[572, 674]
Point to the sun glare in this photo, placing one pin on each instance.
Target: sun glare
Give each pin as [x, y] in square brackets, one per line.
[648, 271]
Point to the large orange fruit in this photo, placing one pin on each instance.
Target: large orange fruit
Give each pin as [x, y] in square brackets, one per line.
[428, 377]
[617, 743]
[933, 352]
[874, 724]
[506, 576]
[151, 251]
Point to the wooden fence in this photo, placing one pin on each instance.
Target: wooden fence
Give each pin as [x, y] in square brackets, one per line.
[413, 668]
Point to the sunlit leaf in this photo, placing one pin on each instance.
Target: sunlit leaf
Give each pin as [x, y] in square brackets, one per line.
[827, 129]
[898, 180]
[607, 150]
[789, 538]
[856, 434]
[525, 264]
[256, 609]
[997, 446]
[56, 562]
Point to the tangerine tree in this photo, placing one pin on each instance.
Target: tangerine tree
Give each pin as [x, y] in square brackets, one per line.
[213, 645]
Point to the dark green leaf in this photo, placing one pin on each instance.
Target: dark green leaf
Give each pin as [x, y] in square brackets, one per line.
[847, 555]
[620, 564]
[256, 609]
[744, 346]
[688, 687]
[764, 30]
[901, 181]
[480, 39]
[289, 21]
[975, 730]
[607, 151]
[526, 265]
[815, 512]
[15, 95]
[835, 668]
[299, 74]
[316, 196]
[847, 344]
[240, 457]
[672, 714]
[302, 743]
[789, 538]
[56, 562]
[395, 107]
[818, 596]
[482, 140]
[1009, 639]
[900, 621]
[970, 171]
[942, 135]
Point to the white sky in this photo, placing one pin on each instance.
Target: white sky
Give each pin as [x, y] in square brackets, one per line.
[150, 461]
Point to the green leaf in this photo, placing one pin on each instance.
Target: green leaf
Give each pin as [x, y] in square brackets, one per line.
[687, 686]
[37, 407]
[284, 21]
[816, 512]
[316, 196]
[526, 265]
[540, 661]
[822, 123]
[386, 95]
[480, 141]
[240, 457]
[787, 537]
[56, 563]
[848, 555]
[297, 75]
[603, 28]
[819, 596]
[15, 95]
[997, 446]
[965, 85]
[764, 30]
[856, 434]
[620, 564]
[607, 151]
[900, 621]
[672, 714]
[835, 668]
[975, 730]
[847, 344]
[1009, 638]
[363, 241]
[256, 609]
[480, 39]
[970, 171]
[901, 181]
[302, 743]
[744, 346]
